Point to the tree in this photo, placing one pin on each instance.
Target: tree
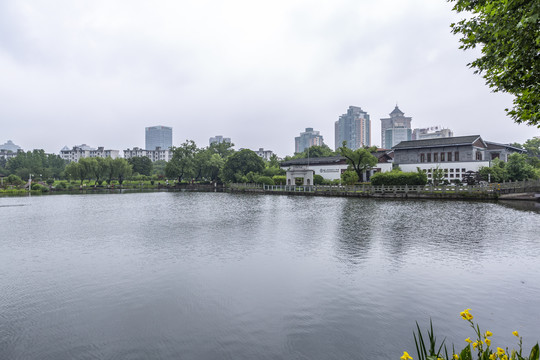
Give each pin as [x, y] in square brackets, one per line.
[181, 165]
[494, 173]
[518, 168]
[141, 165]
[315, 151]
[122, 169]
[240, 164]
[508, 34]
[359, 160]
[73, 171]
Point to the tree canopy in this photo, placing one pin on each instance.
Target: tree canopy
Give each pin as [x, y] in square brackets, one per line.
[359, 160]
[508, 33]
[241, 163]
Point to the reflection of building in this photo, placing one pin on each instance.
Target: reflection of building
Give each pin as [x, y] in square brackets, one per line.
[432, 132]
[158, 136]
[264, 154]
[307, 139]
[354, 127]
[10, 146]
[84, 151]
[218, 139]
[395, 129]
[332, 167]
[454, 155]
[154, 155]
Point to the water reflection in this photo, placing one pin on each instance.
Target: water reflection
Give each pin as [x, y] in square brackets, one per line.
[212, 276]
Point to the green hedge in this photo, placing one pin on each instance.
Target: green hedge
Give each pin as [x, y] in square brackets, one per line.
[399, 178]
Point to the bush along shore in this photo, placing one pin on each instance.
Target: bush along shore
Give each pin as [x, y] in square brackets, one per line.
[480, 347]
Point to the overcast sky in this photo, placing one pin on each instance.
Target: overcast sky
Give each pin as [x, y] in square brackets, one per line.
[99, 72]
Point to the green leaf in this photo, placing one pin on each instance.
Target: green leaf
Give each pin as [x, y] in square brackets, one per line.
[466, 353]
[534, 353]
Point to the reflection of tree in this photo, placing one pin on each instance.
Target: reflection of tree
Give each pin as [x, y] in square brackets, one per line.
[355, 229]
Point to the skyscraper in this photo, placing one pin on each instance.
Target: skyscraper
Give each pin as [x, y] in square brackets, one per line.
[219, 139]
[354, 127]
[158, 136]
[307, 139]
[395, 129]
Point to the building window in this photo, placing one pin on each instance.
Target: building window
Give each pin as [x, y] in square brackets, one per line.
[442, 157]
[451, 175]
[463, 170]
[449, 156]
[478, 155]
[456, 156]
[451, 170]
[428, 157]
[436, 157]
[422, 158]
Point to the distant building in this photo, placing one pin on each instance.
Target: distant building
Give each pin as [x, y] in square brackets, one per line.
[10, 146]
[354, 127]
[8, 154]
[433, 132]
[264, 154]
[395, 129]
[158, 137]
[332, 167]
[84, 151]
[218, 139]
[154, 155]
[454, 155]
[307, 139]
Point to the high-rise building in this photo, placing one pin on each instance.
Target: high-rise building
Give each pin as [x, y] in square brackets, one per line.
[219, 139]
[395, 129]
[307, 139]
[354, 127]
[158, 136]
[433, 132]
[10, 146]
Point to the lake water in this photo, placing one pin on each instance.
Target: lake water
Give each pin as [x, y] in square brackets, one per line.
[222, 276]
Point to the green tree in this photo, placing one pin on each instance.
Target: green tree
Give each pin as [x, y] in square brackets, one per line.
[494, 173]
[73, 171]
[141, 165]
[240, 164]
[519, 169]
[182, 163]
[89, 167]
[122, 169]
[315, 151]
[508, 34]
[158, 168]
[359, 160]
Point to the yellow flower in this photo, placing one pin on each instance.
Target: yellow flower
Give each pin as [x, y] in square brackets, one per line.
[500, 351]
[465, 315]
[505, 357]
[488, 333]
[515, 333]
[492, 356]
[488, 342]
[468, 340]
[406, 356]
[456, 356]
[474, 345]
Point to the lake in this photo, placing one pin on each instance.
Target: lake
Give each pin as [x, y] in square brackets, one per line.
[177, 275]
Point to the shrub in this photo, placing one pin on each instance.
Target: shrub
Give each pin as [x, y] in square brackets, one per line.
[50, 182]
[279, 179]
[266, 180]
[399, 178]
[39, 187]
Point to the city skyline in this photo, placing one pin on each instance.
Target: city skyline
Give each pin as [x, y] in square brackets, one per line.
[260, 73]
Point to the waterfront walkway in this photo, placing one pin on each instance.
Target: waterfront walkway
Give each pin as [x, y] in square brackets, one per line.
[523, 190]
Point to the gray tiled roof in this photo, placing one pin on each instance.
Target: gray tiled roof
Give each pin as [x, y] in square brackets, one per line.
[314, 161]
[449, 141]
